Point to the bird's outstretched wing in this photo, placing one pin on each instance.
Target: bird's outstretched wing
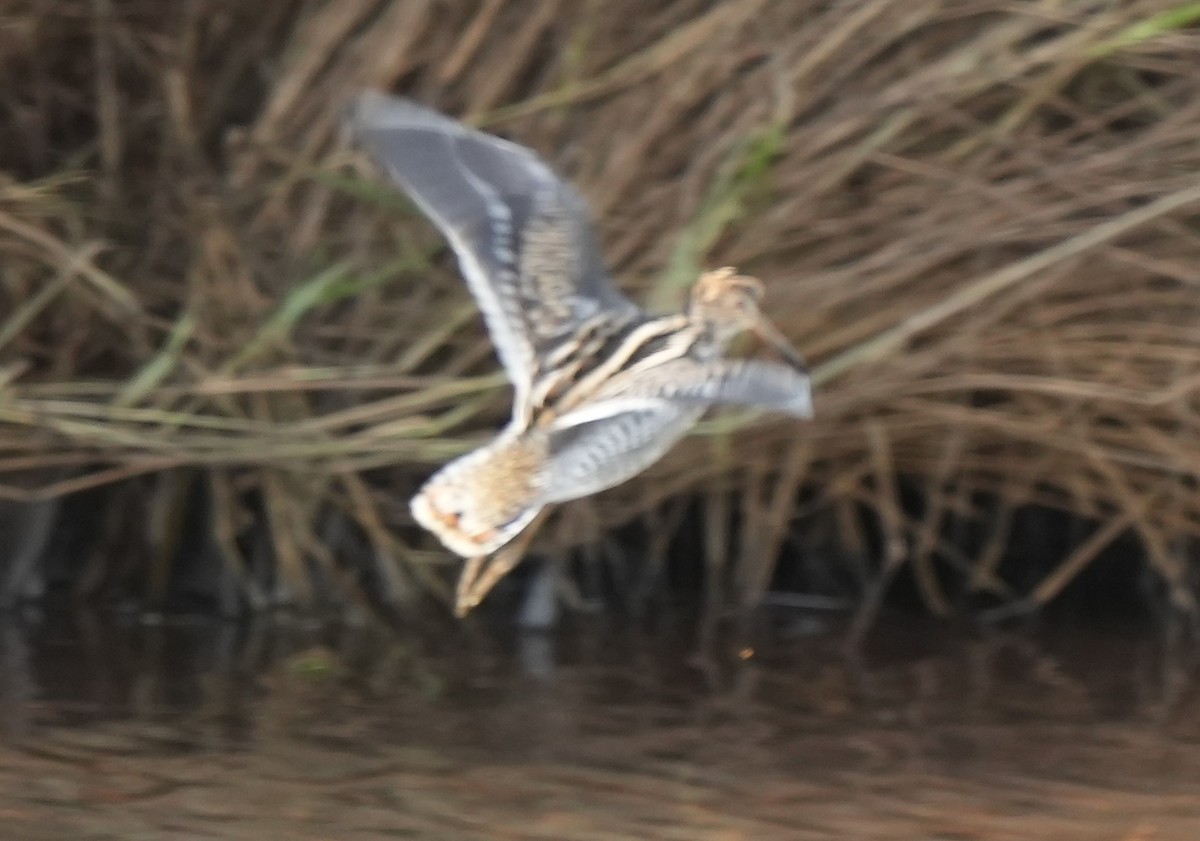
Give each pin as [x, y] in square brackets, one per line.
[633, 421]
[750, 383]
[591, 452]
[522, 235]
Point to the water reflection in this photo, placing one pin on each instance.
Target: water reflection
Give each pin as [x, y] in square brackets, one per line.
[355, 731]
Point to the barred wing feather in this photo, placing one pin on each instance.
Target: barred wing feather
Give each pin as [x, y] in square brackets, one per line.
[635, 420]
[591, 452]
[751, 383]
[522, 235]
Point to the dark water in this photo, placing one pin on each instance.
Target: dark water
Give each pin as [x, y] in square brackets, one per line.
[203, 730]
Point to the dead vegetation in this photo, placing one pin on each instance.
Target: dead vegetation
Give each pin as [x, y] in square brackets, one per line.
[977, 219]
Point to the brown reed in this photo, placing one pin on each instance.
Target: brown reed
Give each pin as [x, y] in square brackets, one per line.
[979, 219]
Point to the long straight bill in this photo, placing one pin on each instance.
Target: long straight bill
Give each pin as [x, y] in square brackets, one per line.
[770, 334]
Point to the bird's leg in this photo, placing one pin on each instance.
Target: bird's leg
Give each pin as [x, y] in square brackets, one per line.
[479, 576]
[462, 593]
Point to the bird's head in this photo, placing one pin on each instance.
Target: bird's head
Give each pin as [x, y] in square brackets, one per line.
[728, 303]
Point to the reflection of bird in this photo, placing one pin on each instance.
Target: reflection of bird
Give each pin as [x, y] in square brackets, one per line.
[602, 389]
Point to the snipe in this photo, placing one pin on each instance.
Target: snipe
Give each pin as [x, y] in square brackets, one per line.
[602, 388]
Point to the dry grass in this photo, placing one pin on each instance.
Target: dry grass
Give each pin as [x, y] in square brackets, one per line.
[978, 219]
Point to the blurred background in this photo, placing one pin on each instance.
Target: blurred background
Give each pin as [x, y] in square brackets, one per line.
[230, 352]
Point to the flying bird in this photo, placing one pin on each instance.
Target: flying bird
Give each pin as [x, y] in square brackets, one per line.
[602, 389]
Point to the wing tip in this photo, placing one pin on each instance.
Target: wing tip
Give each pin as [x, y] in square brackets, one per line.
[802, 407]
[374, 110]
